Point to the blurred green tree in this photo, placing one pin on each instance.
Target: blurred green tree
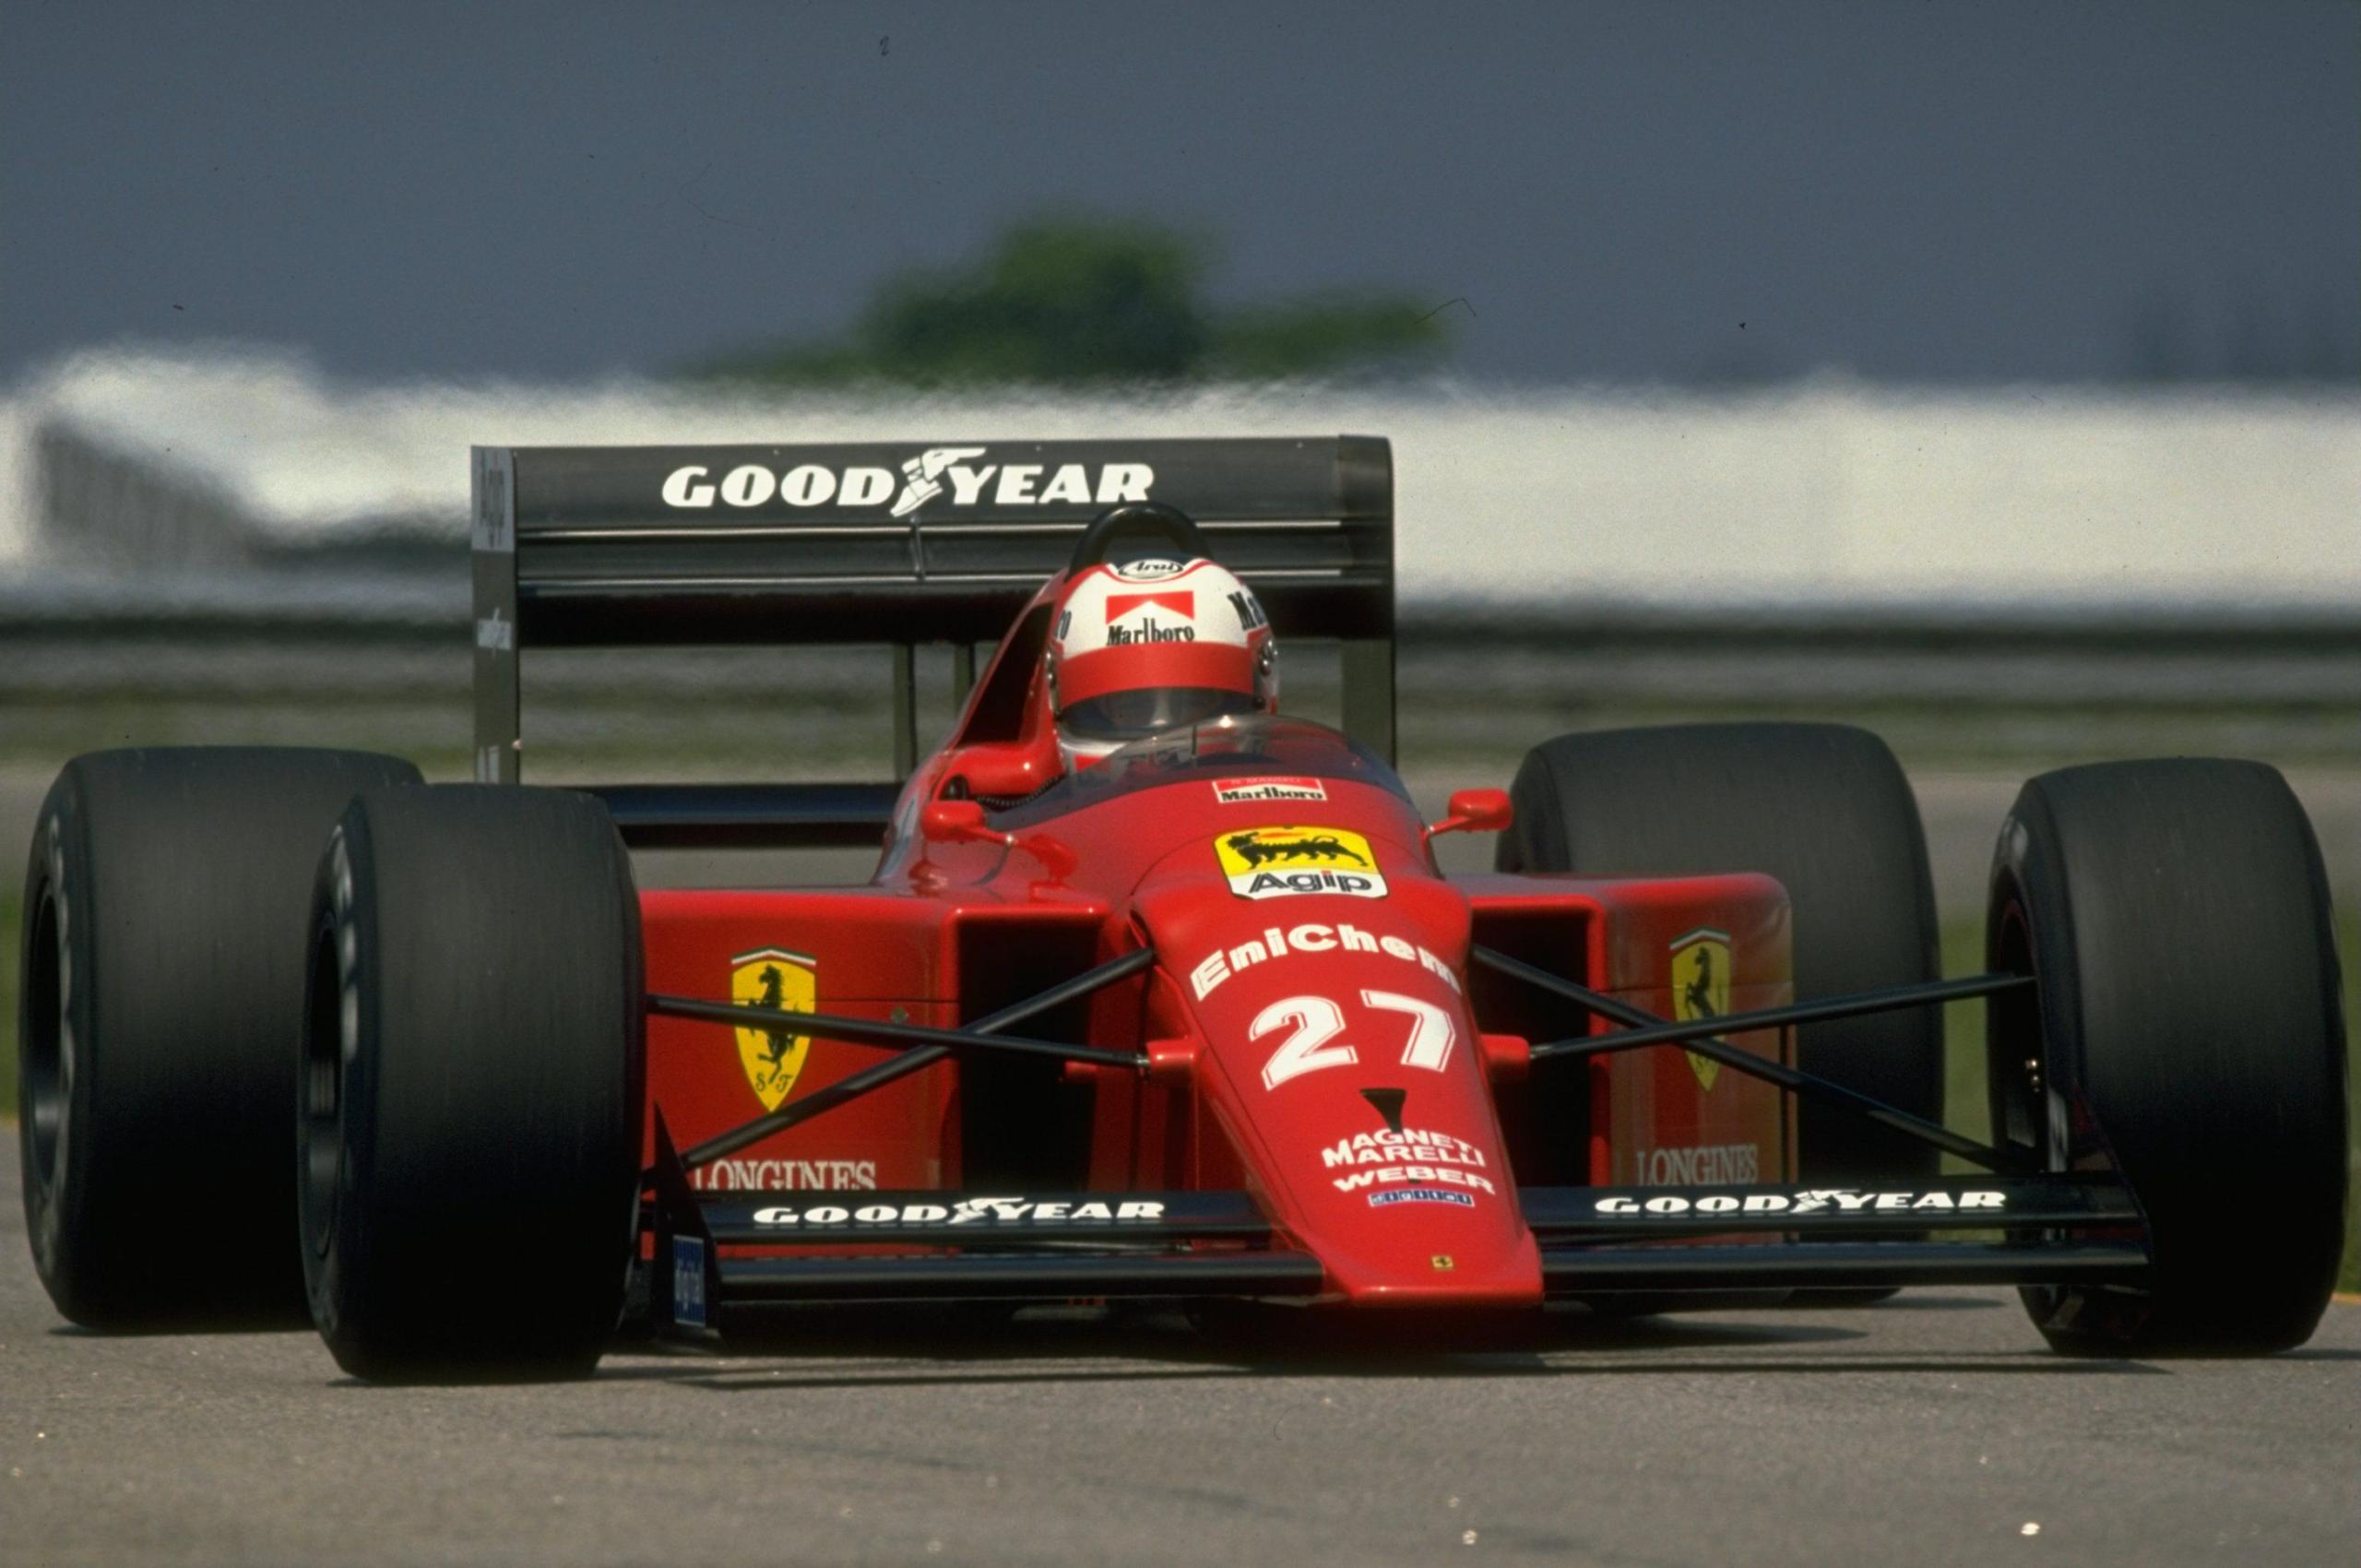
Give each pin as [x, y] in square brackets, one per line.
[1084, 300]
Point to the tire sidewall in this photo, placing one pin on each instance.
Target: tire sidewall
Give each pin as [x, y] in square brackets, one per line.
[335, 1246]
[2034, 1044]
[2031, 931]
[441, 1150]
[2174, 918]
[175, 881]
[58, 1192]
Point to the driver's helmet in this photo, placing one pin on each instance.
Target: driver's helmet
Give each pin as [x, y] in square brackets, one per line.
[1153, 643]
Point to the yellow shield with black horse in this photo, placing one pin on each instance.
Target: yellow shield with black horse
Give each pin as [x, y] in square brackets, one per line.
[1700, 988]
[772, 977]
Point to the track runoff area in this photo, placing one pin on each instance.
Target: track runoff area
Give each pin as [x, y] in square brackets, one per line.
[1936, 1429]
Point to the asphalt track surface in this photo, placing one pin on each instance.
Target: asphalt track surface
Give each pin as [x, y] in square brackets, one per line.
[1933, 1430]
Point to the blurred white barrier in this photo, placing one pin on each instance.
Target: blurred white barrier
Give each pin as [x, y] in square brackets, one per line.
[1819, 493]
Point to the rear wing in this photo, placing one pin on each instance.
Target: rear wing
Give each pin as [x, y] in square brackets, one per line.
[899, 543]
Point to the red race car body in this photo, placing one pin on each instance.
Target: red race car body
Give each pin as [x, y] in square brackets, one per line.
[1203, 1018]
[1156, 994]
[1308, 1022]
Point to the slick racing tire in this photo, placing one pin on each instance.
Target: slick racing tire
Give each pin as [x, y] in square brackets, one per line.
[160, 991]
[473, 1084]
[1822, 808]
[2185, 1029]
[1825, 810]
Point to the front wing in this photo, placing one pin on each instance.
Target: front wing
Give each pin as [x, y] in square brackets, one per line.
[720, 1257]
[724, 1259]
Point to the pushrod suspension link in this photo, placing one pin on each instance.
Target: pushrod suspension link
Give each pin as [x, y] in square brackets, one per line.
[1808, 1085]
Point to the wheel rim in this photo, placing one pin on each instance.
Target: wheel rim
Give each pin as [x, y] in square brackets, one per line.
[328, 1023]
[48, 1040]
[2021, 1113]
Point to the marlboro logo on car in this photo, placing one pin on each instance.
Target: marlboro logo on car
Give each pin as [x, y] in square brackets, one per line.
[1253, 791]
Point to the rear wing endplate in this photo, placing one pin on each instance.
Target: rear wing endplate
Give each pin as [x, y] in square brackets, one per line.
[901, 543]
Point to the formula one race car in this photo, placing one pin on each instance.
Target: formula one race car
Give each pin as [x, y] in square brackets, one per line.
[1192, 1015]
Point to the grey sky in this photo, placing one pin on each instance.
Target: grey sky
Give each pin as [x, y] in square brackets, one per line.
[1910, 191]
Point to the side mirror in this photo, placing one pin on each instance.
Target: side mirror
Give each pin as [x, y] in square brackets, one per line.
[1475, 811]
[961, 822]
[1003, 771]
[954, 822]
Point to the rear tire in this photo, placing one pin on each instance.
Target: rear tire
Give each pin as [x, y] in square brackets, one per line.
[474, 1085]
[1825, 810]
[160, 999]
[2187, 1028]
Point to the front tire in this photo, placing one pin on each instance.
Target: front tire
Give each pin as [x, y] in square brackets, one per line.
[473, 1086]
[1824, 810]
[160, 998]
[2187, 1029]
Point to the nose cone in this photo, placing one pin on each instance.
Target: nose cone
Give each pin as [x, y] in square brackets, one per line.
[1339, 1055]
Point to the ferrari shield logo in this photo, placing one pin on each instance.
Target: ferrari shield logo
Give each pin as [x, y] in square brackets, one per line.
[1700, 988]
[789, 982]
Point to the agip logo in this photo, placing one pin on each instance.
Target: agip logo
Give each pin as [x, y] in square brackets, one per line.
[1700, 988]
[771, 977]
[1281, 862]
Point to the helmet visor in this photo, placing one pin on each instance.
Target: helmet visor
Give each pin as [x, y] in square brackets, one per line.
[1129, 715]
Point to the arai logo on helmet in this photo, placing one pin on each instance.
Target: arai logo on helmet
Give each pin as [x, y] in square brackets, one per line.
[923, 478]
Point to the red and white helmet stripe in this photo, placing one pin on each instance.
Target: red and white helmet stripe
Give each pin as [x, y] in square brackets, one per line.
[1157, 623]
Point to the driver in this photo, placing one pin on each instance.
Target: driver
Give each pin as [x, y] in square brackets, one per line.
[1151, 643]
